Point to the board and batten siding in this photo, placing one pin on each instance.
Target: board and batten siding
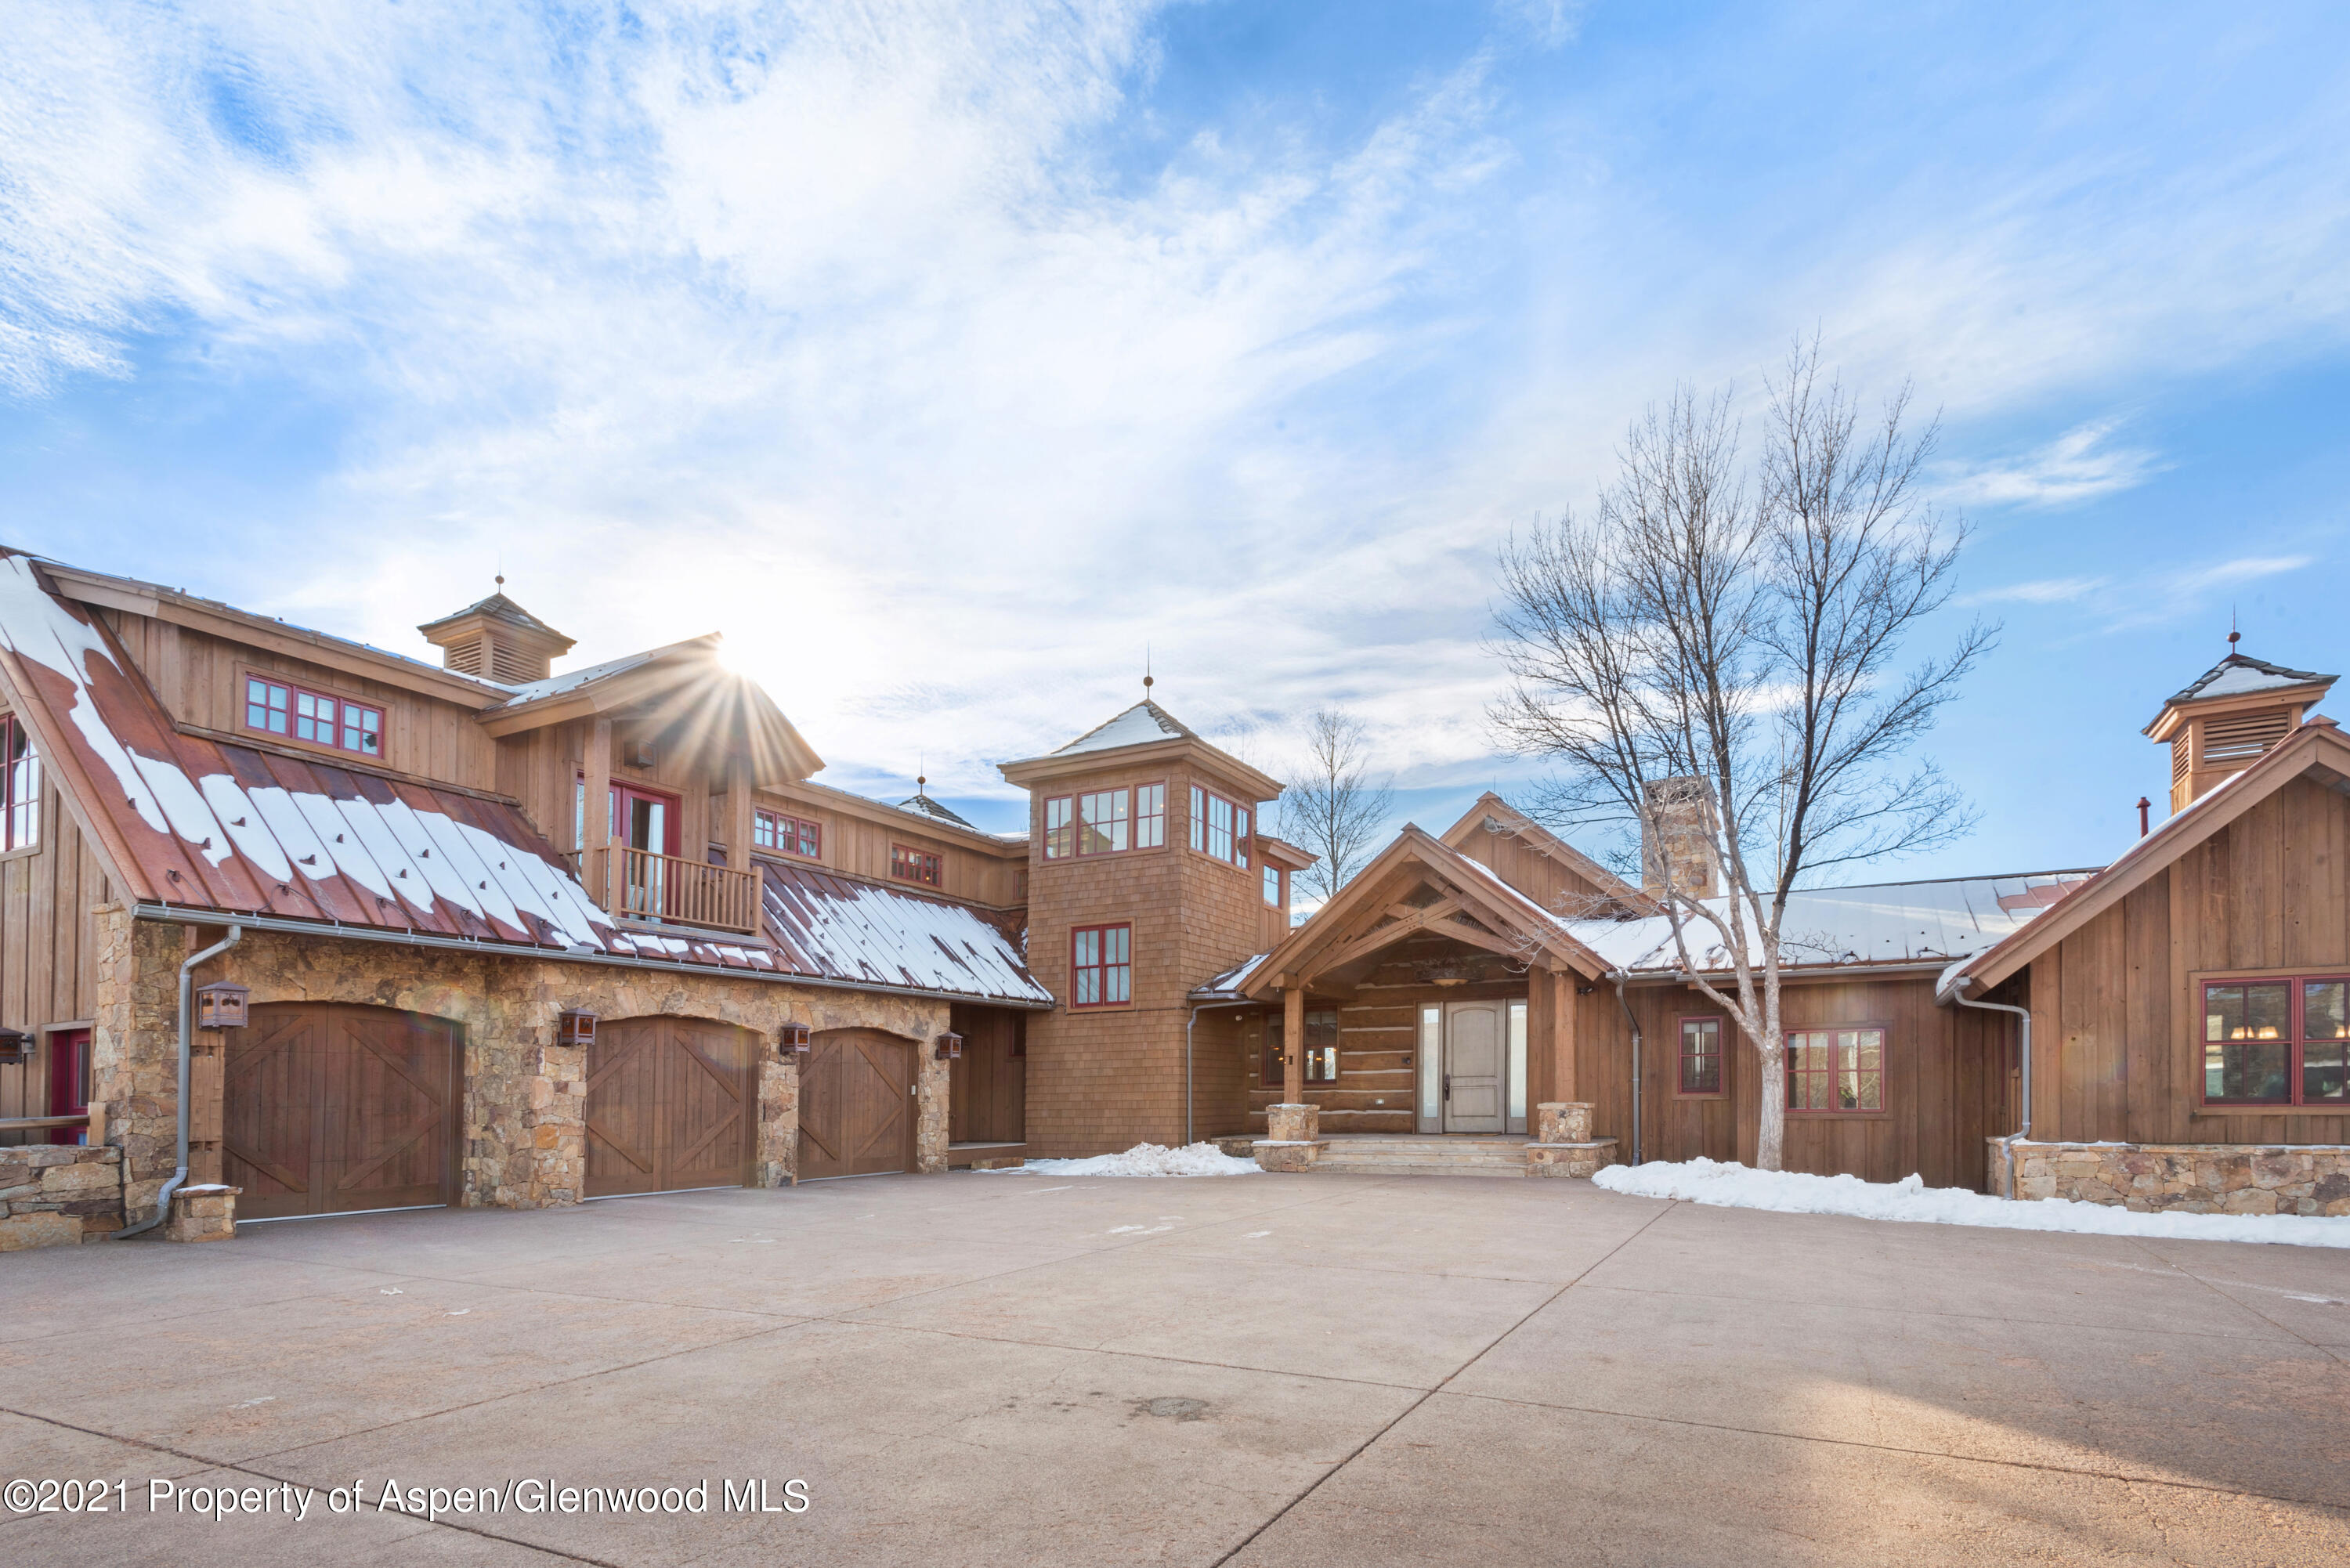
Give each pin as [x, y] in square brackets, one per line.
[48, 954]
[2115, 1011]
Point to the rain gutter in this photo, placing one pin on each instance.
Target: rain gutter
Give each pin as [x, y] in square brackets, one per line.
[2023, 1038]
[187, 1046]
[1619, 977]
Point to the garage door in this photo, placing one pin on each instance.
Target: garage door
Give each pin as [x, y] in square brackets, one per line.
[327, 1110]
[669, 1105]
[857, 1107]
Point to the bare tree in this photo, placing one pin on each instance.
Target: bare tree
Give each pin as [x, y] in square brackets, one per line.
[1711, 662]
[1334, 809]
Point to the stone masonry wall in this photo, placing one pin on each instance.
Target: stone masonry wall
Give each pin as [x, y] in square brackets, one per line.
[523, 1129]
[54, 1195]
[2199, 1178]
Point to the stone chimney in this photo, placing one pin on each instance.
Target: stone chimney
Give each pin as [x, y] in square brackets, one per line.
[2230, 718]
[1677, 835]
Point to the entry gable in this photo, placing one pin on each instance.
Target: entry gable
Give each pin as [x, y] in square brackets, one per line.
[1569, 871]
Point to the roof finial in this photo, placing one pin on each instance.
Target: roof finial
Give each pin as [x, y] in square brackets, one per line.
[2234, 637]
[1147, 681]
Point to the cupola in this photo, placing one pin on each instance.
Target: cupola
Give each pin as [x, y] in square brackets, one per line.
[496, 639]
[2230, 718]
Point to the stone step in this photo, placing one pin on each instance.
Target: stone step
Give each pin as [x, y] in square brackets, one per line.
[1513, 1161]
[1414, 1167]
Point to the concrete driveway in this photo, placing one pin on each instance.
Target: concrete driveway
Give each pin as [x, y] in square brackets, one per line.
[1305, 1369]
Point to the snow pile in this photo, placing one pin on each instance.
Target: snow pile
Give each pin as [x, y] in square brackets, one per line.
[1144, 1159]
[1733, 1185]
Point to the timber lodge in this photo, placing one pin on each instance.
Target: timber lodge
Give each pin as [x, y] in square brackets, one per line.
[291, 925]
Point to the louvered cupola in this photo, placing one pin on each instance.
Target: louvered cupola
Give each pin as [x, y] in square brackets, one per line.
[2230, 718]
[496, 639]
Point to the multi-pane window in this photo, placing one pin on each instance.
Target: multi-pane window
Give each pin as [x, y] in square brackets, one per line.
[1149, 816]
[1272, 886]
[1240, 837]
[1101, 966]
[1835, 1070]
[277, 708]
[1218, 827]
[1321, 1052]
[786, 834]
[909, 865]
[20, 785]
[2277, 1042]
[1102, 822]
[1701, 1056]
[1060, 831]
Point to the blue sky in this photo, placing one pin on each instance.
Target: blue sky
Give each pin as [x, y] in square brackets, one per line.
[944, 359]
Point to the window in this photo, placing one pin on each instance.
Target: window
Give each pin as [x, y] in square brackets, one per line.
[786, 834]
[1218, 827]
[277, 708]
[1060, 838]
[1701, 1056]
[915, 866]
[1150, 816]
[1199, 817]
[1273, 886]
[1101, 966]
[1240, 837]
[1321, 1048]
[1836, 1070]
[1102, 822]
[2280, 1041]
[20, 785]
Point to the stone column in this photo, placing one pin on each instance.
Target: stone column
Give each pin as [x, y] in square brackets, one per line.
[1562, 1143]
[933, 1086]
[1292, 1139]
[135, 1049]
[776, 1163]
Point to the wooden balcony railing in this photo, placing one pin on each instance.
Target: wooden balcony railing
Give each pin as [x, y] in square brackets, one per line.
[652, 886]
[85, 1126]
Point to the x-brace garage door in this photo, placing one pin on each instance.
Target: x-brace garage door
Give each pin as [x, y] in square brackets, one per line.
[329, 1109]
[857, 1112]
[669, 1105]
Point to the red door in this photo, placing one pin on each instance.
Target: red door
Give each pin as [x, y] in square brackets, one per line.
[644, 827]
[69, 1075]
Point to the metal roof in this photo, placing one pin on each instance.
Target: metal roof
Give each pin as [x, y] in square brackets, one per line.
[835, 929]
[1138, 725]
[2240, 673]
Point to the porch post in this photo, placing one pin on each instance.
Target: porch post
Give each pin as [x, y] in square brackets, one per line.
[1562, 1034]
[595, 845]
[1292, 1042]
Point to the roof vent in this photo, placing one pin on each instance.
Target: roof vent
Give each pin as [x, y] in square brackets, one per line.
[2230, 718]
[496, 639]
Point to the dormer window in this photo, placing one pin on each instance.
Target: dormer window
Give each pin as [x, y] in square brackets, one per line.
[317, 718]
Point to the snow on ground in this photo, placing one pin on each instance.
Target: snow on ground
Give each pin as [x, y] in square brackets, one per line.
[1143, 1159]
[1734, 1186]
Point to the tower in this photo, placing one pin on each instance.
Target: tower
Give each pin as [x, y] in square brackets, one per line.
[2229, 718]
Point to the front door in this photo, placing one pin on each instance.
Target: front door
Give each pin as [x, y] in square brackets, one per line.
[646, 823]
[1476, 1066]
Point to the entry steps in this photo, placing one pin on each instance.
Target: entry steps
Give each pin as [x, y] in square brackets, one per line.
[1400, 1153]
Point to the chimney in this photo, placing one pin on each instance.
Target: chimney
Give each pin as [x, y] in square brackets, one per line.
[496, 639]
[1676, 835]
[2230, 718]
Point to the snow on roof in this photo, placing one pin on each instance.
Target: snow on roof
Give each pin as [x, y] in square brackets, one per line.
[2239, 673]
[1138, 725]
[833, 929]
[1888, 922]
[572, 681]
[1229, 983]
[924, 805]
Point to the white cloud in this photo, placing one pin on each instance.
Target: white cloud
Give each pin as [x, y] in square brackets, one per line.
[2078, 465]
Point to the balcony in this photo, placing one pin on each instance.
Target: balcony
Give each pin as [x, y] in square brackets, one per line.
[640, 884]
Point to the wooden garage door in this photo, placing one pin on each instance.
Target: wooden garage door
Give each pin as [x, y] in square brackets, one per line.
[670, 1105]
[856, 1106]
[330, 1109]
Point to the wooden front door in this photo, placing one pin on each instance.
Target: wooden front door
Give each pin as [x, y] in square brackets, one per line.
[988, 1101]
[330, 1110]
[670, 1105]
[1476, 1066]
[857, 1104]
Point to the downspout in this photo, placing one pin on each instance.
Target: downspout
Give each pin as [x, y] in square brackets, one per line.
[1619, 977]
[2023, 1043]
[187, 1045]
[1197, 1008]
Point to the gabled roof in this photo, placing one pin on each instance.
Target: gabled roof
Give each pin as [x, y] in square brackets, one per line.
[923, 805]
[499, 608]
[833, 928]
[1143, 722]
[2316, 746]
[2238, 675]
[1481, 895]
[1492, 807]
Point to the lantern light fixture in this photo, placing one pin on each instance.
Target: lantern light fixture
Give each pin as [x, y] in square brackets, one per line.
[791, 1040]
[575, 1026]
[224, 1004]
[14, 1044]
[949, 1047]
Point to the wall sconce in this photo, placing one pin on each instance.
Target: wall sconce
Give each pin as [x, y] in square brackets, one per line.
[949, 1047]
[791, 1040]
[221, 1006]
[575, 1026]
[14, 1044]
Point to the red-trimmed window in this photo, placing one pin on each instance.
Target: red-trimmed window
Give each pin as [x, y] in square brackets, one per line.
[1701, 1056]
[1220, 827]
[910, 865]
[1101, 966]
[1836, 1070]
[1103, 819]
[20, 785]
[69, 1075]
[280, 708]
[1060, 828]
[786, 834]
[1149, 816]
[2277, 1041]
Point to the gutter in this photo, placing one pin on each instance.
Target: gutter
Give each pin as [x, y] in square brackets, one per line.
[1197, 1008]
[1619, 977]
[2023, 1035]
[187, 1043]
[183, 915]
